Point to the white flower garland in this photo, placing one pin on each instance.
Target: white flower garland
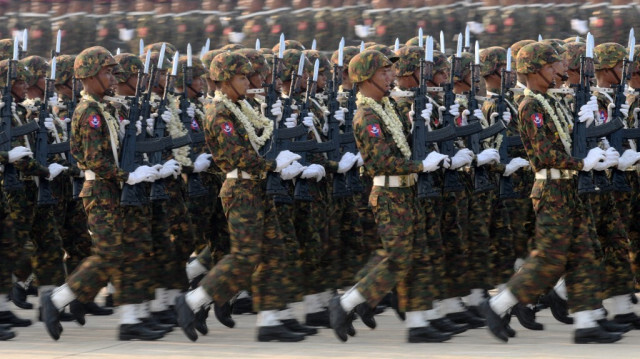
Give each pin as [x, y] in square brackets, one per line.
[566, 140]
[249, 118]
[390, 120]
[176, 130]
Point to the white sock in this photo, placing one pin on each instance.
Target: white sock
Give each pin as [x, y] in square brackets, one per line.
[62, 296]
[194, 269]
[312, 303]
[476, 297]
[584, 319]
[268, 318]
[452, 305]
[4, 303]
[415, 319]
[128, 315]
[561, 289]
[110, 288]
[351, 298]
[503, 301]
[598, 314]
[142, 310]
[170, 296]
[432, 314]
[198, 298]
[501, 287]
[243, 294]
[621, 304]
[158, 303]
[286, 314]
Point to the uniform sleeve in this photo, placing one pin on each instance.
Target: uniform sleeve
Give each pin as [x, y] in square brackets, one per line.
[95, 145]
[30, 167]
[539, 135]
[378, 149]
[230, 146]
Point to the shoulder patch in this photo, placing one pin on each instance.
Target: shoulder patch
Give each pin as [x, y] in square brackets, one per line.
[373, 130]
[604, 116]
[227, 128]
[95, 121]
[194, 125]
[537, 119]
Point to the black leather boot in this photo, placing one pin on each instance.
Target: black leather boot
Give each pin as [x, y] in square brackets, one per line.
[138, 331]
[94, 309]
[278, 333]
[494, 322]
[318, 319]
[447, 326]
[526, 316]
[595, 335]
[427, 334]
[223, 314]
[18, 296]
[295, 326]
[366, 315]
[185, 318]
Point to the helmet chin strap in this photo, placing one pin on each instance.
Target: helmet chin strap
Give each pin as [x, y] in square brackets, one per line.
[550, 84]
[616, 75]
[384, 92]
[107, 91]
[240, 97]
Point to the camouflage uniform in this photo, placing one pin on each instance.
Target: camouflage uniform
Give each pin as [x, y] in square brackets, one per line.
[562, 237]
[39, 26]
[78, 32]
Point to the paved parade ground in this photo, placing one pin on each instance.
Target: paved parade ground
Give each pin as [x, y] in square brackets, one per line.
[97, 340]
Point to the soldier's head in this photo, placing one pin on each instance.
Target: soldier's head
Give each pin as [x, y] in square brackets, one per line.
[301, 4]
[255, 6]
[536, 63]
[290, 63]
[261, 69]
[126, 75]
[64, 75]
[19, 84]
[386, 51]
[169, 49]
[608, 63]
[289, 44]
[347, 54]
[195, 85]
[144, 5]
[76, 6]
[94, 67]
[101, 7]
[492, 61]
[210, 5]
[40, 6]
[462, 81]
[381, 4]
[515, 48]
[441, 69]
[324, 68]
[572, 55]
[229, 71]
[6, 48]
[634, 82]
[38, 67]
[206, 61]
[407, 67]
[232, 47]
[373, 73]
[320, 3]
[563, 66]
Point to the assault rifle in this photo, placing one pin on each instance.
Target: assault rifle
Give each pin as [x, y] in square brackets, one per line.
[158, 189]
[10, 181]
[45, 196]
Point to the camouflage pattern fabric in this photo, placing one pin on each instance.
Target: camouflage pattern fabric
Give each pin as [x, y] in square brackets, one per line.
[532, 57]
[129, 64]
[607, 55]
[89, 62]
[365, 64]
[38, 67]
[64, 69]
[225, 65]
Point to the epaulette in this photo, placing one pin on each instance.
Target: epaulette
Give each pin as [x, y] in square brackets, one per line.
[141, 13]
[299, 11]
[34, 14]
[160, 16]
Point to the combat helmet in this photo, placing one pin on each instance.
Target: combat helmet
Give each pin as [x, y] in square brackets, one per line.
[38, 68]
[532, 57]
[197, 69]
[22, 73]
[227, 64]
[492, 59]
[409, 58]
[608, 55]
[64, 68]
[365, 64]
[129, 65]
[90, 61]
[258, 61]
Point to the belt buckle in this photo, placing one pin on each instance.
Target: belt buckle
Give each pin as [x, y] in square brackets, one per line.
[404, 181]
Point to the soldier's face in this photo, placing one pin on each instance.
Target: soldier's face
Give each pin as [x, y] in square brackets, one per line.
[103, 82]
[383, 78]
[322, 81]
[256, 81]
[635, 80]
[618, 70]
[19, 89]
[440, 77]
[239, 85]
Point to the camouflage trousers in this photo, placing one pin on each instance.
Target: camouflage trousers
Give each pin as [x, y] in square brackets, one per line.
[112, 251]
[453, 228]
[137, 284]
[405, 262]
[502, 243]
[9, 248]
[257, 248]
[295, 265]
[521, 213]
[36, 231]
[628, 204]
[353, 252]
[618, 277]
[563, 246]
[76, 240]
[209, 223]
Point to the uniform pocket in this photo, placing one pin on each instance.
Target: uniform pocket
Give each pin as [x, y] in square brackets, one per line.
[87, 189]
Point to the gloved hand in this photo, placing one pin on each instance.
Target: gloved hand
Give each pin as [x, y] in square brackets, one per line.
[54, 170]
[53, 101]
[150, 126]
[359, 159]
[142, 174]
[138, 127]
[123, 127]
[611, 157]
[506, 117]
[514, 165]
[167, 116]
[587, 111]
[292, 121]
[292, 170]
[346, 162]
[236, 37]
[191, 111]
[594, 156]
[624, 109]
[284, 159]
[202, 162]
[48, 124]
[628, 159]
[477, 113]
[276, 110]
[339, 116]
[454, 110]
[426, 113]
[66, 120]
[314, 171]
[308, 122]
[490, 155]
[432, 161]
[19, 152]
[171, 167]
[463, 157]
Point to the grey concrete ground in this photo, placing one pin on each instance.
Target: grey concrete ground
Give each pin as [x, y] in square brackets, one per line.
[97, 339]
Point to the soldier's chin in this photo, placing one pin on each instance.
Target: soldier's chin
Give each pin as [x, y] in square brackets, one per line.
[109, 92]
[553, 84]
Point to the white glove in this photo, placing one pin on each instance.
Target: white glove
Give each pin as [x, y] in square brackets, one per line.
[514, 165]
[138, 127]
[66, 120]
[202, 163]
[594, 156]
[284, 159]
[167, 116]
[462, 158]
[53, 101]
[19, 152]
[325, 129]
[191, 111]
[292, 121]
[48, 124]
[54, 170]
[236, 37]
[464, 120]
[454, 110]
[142, 174]
[346, 162]
[628, 159]
[426, 113]
[587, 110]
[359, 159]
[478, 114]
[490, 155]
[123, 127]
[339, 116]
[150, 124]
[611, 157]
[506, 117]
[276, 109]
[292, 170]
[314, 171]
[308, 122]
[171, 167]
[624, 109]
[433, 160]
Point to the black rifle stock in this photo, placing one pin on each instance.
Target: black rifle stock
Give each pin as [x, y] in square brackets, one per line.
[618, 178]
[76, 182]
[482, 182]
[129, 196]
[579, 135]
[301, 146]
[506, 183]
[195, 187]
[45, 196]
[340, 184]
